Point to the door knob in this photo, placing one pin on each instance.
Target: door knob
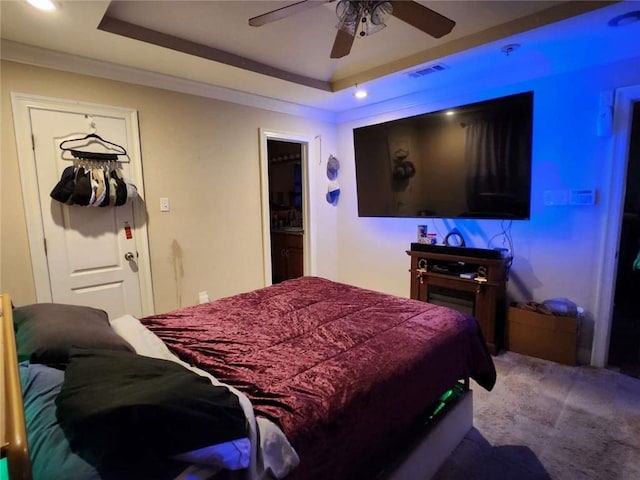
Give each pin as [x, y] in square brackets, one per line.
[129, 256]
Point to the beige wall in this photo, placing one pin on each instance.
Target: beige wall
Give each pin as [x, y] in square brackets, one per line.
[201, 153]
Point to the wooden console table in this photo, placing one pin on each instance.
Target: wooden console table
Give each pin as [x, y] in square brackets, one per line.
[435, 277]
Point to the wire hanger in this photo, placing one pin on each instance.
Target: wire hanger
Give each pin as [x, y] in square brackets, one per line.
[83, 154]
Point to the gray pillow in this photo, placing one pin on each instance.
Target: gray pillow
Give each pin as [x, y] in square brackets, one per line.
[45, 332]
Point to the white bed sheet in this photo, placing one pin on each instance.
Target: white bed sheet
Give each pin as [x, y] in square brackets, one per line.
[272, 456]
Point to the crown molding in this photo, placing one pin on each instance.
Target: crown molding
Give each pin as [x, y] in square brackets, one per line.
[40, 57]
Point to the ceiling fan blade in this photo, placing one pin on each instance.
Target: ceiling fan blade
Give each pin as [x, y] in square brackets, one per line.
[344, 39]
[423, 18]
[285, 12]
[342, 44]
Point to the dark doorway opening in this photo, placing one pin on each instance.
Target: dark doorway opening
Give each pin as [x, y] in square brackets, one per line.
[286, 210]
[624, 343]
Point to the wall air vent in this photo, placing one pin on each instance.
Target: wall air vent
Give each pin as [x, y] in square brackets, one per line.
[436, 67]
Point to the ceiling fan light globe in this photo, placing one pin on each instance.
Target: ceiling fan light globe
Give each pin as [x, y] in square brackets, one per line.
[346, 8]
[380, 12]
[349, 28]
[371, 28]
[349, 14]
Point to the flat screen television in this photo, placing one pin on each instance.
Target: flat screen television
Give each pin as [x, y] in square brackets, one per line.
[470, 161]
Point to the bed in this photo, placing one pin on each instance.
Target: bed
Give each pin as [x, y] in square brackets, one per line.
[333, 380]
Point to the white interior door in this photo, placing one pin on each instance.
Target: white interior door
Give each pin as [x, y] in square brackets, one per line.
[94, 255]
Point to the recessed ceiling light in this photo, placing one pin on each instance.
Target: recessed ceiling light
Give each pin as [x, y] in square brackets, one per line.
[449, 112]
[46, 5]
[360, 93]
[625, 19]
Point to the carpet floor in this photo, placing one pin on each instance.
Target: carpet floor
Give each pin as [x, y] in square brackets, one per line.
[544, 420]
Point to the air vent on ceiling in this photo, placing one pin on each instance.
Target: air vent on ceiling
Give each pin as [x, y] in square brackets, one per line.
[436, 67]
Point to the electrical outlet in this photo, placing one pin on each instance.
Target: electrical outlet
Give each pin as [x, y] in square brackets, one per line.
[164, 204]
[203, 297]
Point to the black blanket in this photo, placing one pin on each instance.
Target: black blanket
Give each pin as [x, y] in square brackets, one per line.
[118, 408]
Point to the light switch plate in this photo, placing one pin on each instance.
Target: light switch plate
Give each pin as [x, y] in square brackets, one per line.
[164, 204]
[582, 197]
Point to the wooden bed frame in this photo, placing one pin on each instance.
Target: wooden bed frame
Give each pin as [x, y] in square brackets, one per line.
[14, 433]
[425, 454]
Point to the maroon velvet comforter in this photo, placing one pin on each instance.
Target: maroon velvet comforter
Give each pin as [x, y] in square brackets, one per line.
[341, 369]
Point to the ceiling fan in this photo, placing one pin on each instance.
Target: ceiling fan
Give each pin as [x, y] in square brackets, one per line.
[364, 18]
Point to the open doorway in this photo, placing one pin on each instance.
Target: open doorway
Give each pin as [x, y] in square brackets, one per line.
[624, 344]
[302, 221]
[285, 209]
